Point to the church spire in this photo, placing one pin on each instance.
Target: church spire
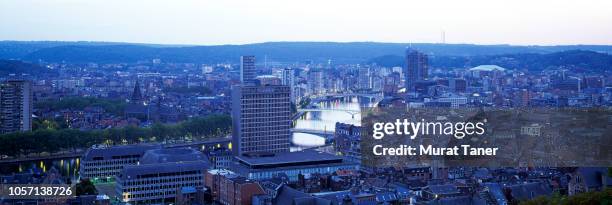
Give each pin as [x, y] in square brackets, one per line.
[136, 94]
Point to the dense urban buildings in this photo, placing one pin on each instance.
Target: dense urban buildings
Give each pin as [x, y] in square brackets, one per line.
[264, 160]
[15, 106]
[305, 102]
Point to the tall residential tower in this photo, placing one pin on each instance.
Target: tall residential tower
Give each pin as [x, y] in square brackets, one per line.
[288, 79]
[15, 106]
[416, 68]
[248, 71]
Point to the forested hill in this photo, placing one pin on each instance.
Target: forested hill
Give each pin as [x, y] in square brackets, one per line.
[572, 59]
[355, 52]
[17, 67]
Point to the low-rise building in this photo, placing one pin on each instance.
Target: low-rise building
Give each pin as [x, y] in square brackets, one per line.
[230, 189]
[291, 163]
[220, 158]
[161, 175]
[103, 162]
[347, 139]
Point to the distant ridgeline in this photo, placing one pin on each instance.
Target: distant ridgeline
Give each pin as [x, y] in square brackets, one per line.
[572, 59]
[386, 54]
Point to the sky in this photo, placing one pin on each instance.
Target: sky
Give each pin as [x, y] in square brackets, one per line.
[208, 22]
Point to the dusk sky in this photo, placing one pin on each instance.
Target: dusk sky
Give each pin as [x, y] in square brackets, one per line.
[204, 22]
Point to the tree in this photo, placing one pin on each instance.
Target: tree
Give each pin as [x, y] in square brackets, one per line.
[85, 187]
[52, 140]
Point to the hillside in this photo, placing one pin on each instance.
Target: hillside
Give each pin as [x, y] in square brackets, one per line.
[355, 52]
[574, 59]
[18, 67]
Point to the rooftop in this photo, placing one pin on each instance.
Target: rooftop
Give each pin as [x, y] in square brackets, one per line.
[220, 172]
[133, 171]
[171, 155]
[305, 157]
[487, 68]
[107, 153]
[443, 189]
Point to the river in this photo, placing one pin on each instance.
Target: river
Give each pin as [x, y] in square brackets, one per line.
[334, 111]
[66, 167]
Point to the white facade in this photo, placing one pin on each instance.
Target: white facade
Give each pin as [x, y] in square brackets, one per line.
[261, 119]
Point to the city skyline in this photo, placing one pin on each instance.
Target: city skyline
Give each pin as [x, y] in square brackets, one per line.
[185, 133]
[215, 23]
[273, 102]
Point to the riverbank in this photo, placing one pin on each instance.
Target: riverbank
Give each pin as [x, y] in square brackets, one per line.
[54, 156]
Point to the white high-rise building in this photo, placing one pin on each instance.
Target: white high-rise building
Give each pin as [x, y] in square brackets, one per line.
[364, 81]
[261, 119]
[288, 79]
[315, 82]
